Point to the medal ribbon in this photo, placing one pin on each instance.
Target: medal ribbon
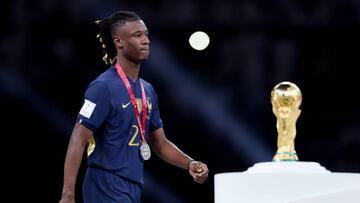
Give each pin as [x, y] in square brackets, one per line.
[142, 123]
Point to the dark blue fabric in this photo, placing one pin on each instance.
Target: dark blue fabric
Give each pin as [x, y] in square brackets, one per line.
[102, 186]
[114, 125]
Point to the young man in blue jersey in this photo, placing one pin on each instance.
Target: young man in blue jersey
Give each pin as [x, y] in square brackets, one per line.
[118, 121]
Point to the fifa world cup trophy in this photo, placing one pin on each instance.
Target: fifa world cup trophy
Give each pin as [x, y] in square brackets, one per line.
[286, 99]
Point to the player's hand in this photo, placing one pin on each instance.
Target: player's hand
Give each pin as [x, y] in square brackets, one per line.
[199, 171]
[67, 199]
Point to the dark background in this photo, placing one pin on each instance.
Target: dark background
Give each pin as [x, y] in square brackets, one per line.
[215, 104]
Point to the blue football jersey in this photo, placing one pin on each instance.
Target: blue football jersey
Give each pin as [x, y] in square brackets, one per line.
[107, 111]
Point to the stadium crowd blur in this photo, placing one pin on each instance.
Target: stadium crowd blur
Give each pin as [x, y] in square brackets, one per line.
[215, 103]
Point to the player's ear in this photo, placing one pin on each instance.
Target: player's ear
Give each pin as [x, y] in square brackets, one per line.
[117, 41]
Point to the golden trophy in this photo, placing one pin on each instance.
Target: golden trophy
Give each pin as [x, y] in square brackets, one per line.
[286, 99]
[299, 181]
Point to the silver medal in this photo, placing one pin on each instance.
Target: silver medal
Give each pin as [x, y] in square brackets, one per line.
[145, 151]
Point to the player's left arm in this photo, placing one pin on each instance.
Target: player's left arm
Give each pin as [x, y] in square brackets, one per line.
[170, 153]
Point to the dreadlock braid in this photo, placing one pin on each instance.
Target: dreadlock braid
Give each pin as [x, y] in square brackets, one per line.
[107, 28]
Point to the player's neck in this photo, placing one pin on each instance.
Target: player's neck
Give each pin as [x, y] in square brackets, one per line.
[130, 69]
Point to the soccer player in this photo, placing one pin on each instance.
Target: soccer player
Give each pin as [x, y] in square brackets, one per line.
[119, 122]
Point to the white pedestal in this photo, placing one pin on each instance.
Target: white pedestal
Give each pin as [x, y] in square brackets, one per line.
[280, 182]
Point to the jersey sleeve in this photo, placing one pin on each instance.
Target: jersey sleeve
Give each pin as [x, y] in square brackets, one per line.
[155, 121]
[96, 106]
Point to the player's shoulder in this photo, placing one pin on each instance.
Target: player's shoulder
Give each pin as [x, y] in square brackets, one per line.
[144, 82]
[102, 81]
[147, 85]
[104, 78]
[107, 74]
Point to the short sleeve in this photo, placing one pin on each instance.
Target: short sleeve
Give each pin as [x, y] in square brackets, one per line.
[96, 106]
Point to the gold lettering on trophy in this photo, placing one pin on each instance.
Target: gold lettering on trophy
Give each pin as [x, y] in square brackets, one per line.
[286, 99]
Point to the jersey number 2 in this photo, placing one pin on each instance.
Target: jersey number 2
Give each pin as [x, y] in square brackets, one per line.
[132, 143]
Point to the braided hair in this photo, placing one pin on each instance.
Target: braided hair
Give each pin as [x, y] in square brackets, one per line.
[107, 28]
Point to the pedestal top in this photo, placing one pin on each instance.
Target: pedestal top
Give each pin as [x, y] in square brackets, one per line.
[287, 182]
[287, 167]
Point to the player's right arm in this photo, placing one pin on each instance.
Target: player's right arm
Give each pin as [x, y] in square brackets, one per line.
[76, 147]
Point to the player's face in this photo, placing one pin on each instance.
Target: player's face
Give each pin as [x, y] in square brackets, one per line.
[134, 41]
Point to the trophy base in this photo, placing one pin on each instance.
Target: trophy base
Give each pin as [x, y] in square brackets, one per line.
[291, 182]
[285, 156]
